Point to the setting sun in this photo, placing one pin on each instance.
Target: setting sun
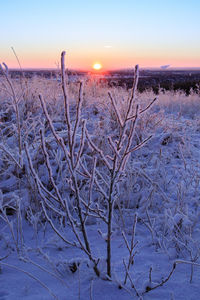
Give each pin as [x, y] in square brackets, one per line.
[97, 66]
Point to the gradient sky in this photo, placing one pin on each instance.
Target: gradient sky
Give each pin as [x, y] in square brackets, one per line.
[117, 33]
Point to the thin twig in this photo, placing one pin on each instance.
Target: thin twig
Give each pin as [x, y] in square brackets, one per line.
[31, 276]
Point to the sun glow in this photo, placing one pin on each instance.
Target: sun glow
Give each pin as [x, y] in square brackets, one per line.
[97, 66]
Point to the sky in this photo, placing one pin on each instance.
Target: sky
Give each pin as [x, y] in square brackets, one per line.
[115, 33]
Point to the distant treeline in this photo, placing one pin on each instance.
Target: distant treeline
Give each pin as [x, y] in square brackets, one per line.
[187, 81]
[45, 73]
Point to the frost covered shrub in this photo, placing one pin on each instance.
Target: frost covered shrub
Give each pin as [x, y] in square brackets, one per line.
[86, 166]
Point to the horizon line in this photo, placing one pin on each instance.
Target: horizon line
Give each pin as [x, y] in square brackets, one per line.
[102, 70]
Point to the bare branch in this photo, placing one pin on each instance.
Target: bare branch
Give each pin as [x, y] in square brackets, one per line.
[139, 145]
[66, 100]
[143, 110]
[116, 109]
[99, 151]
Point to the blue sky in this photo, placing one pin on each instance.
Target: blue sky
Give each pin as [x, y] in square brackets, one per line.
[115, 33]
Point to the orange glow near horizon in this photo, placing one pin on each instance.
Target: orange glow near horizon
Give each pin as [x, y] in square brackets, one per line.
[124, 64]
[111, 61]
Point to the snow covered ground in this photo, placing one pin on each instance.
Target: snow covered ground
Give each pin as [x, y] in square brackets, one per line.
[156, 212]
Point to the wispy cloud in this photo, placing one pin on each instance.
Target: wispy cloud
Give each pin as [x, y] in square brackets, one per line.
[165, 67]
[107, 46]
